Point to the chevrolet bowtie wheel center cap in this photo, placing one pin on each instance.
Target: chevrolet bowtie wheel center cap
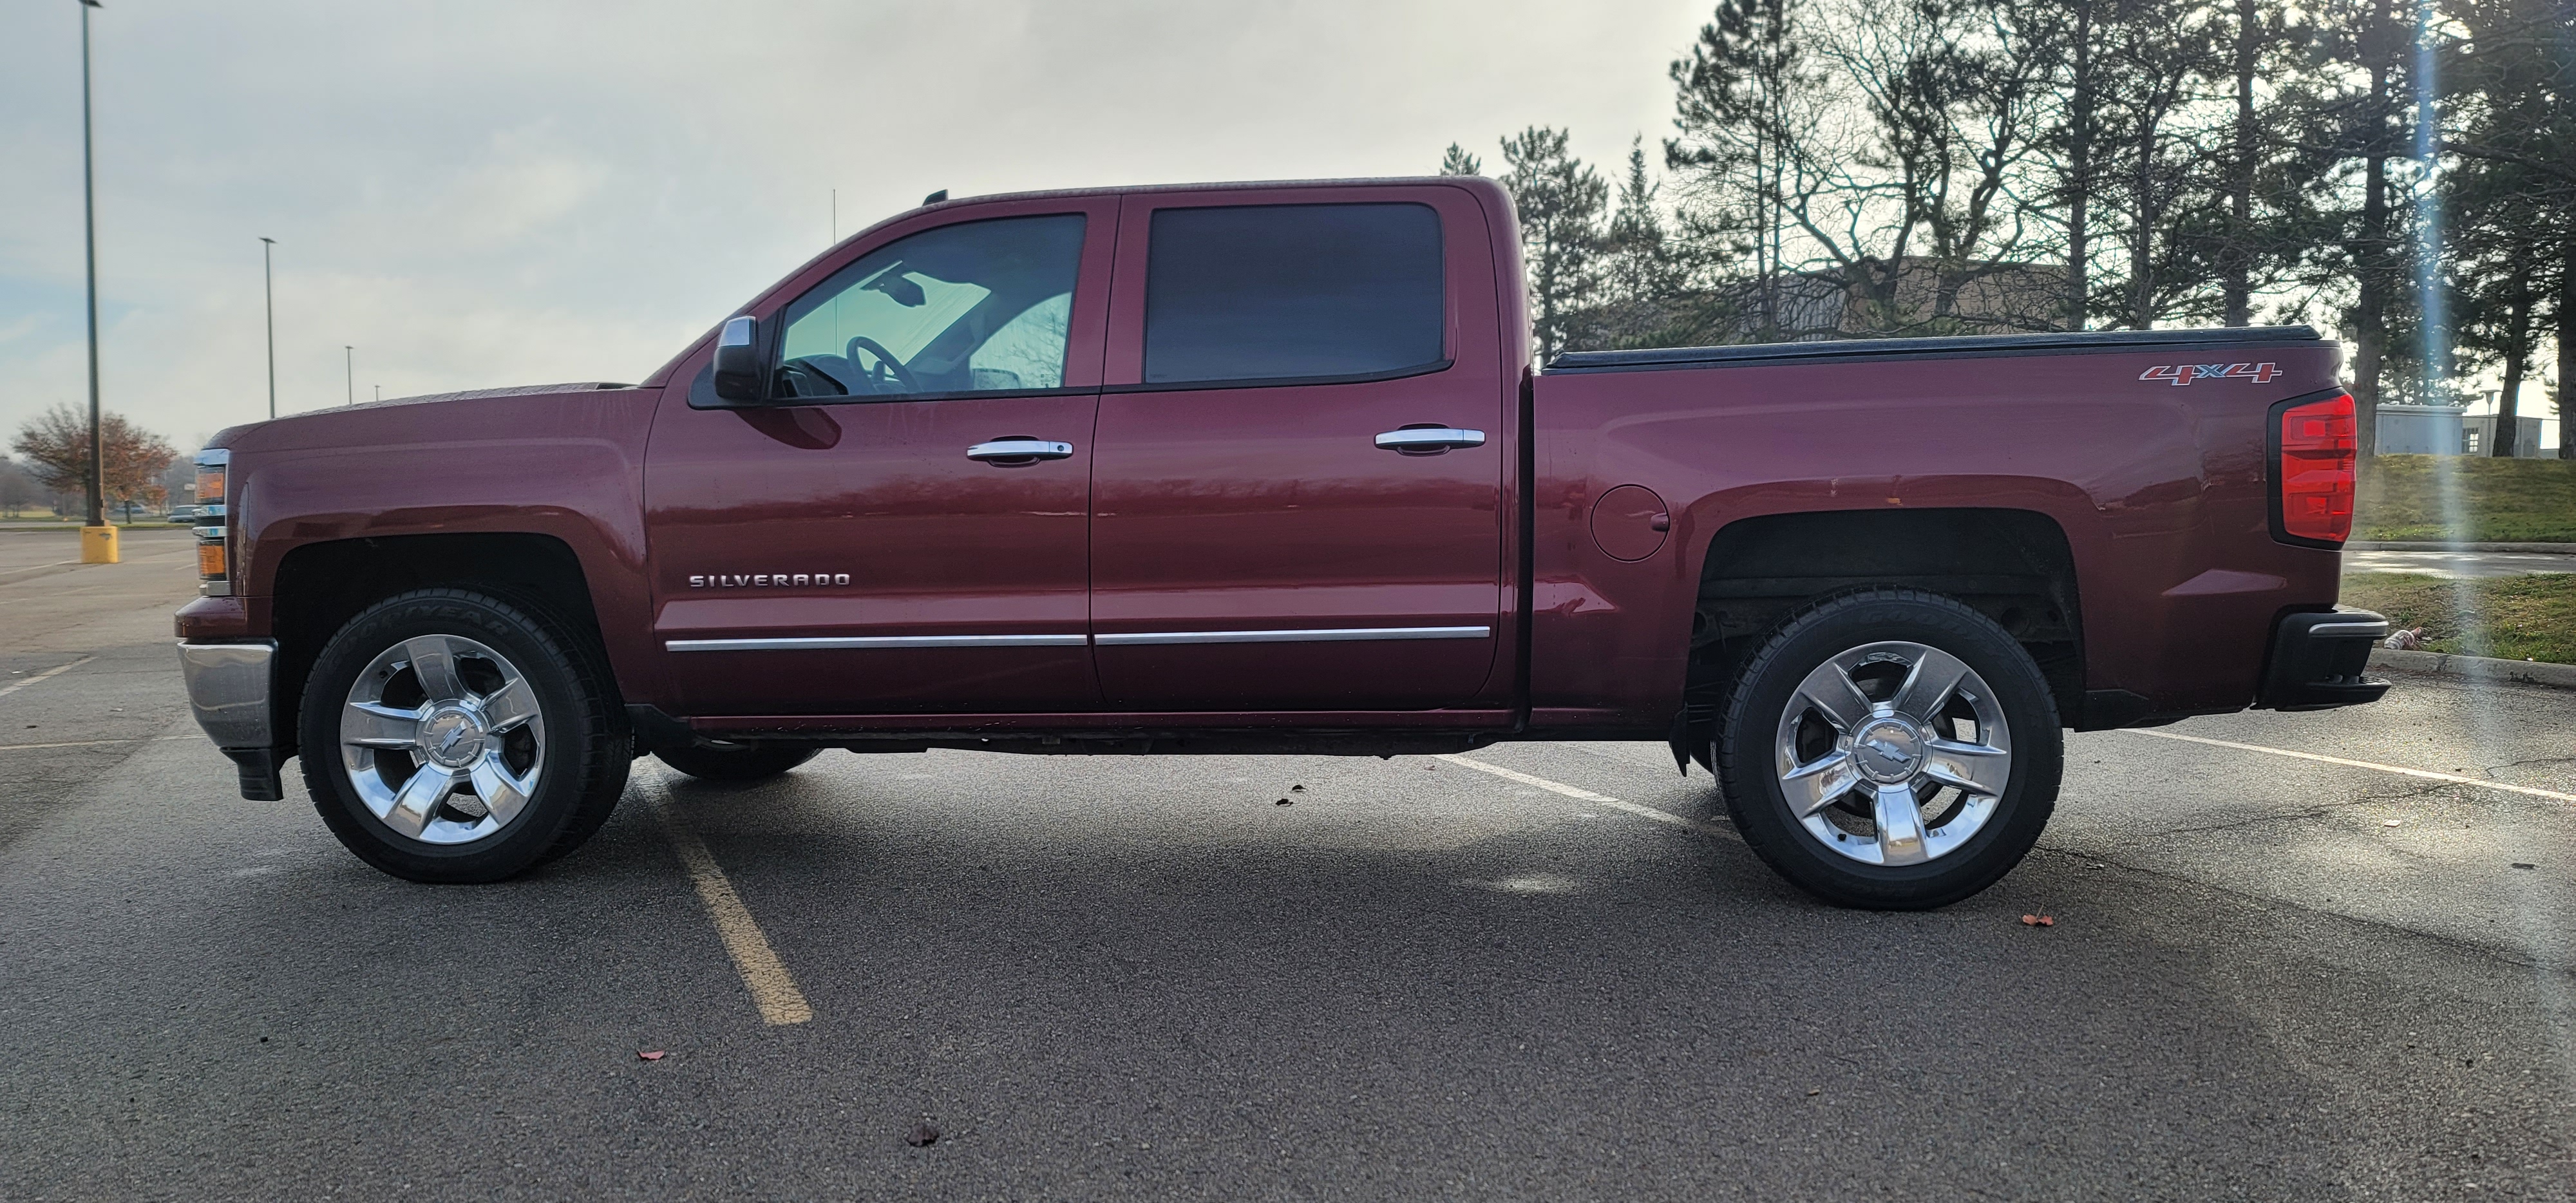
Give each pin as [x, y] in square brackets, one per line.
[451, 737]
[1888, 751]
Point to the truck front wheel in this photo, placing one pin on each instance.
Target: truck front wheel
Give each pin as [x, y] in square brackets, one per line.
[1890, 749]
[451, 736]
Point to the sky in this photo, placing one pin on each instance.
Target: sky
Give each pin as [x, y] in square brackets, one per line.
[474, 194]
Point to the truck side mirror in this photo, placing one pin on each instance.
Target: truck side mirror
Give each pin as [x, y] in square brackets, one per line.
[737, 366]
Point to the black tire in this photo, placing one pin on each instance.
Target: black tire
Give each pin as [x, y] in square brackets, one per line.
[736, 765]
[580, 765]
[1748, 735]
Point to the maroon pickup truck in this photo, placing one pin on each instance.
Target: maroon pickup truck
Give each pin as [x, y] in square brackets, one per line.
[1267, 468]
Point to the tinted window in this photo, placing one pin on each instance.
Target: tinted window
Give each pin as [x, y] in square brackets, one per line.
[976, 307]
[1267, 291]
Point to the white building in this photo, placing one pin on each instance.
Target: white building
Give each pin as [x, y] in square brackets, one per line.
[2452, 430]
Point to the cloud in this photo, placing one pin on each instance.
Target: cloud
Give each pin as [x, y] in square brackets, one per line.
[477, 193]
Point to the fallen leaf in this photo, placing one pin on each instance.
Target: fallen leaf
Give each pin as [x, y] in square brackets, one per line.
[922, 1135]
[2039, 920]
[654, 1055]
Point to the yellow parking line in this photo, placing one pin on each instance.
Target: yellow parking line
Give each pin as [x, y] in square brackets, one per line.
[772, 988]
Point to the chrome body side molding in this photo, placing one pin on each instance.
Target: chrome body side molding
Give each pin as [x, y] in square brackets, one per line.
[851, 642]
[1136, 639]
[1322, 635]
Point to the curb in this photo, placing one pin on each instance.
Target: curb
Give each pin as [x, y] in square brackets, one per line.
[2475, 668]
[2556, 549]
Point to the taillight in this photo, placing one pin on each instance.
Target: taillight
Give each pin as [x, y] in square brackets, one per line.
[2317, 450]
[214, 534]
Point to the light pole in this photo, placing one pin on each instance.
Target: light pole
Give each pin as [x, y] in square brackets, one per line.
[268, 288]
[98, 539]
[349, 360]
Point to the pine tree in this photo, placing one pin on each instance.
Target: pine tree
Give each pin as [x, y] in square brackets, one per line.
[1739, 98]
[2511, 84]
[1641, 278]
[1559, 201]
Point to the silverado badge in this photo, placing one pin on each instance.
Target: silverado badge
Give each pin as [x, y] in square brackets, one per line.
[767, 580]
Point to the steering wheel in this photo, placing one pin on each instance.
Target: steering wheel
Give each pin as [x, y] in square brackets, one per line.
[886, 368]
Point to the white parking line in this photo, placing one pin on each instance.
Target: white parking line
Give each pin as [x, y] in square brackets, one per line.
[2401, 771]
[59, 668]
[1585, 795]
[92, 743]
[772, 988]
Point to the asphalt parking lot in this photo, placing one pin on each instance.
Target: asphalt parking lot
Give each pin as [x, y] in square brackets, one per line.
[1543, 971]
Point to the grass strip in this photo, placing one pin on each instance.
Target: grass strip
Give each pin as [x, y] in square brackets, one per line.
[2508, 617]
[2403, 497]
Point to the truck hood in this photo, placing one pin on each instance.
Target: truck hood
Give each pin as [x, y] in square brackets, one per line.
[325, 426]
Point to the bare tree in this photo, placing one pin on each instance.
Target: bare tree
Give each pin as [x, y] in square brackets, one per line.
[56, 446]
[17, 487]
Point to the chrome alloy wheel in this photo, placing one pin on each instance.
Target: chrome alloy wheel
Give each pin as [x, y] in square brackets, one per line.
[442, 740]
[1893, 753]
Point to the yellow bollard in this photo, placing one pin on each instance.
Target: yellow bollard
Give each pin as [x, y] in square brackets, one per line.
[98, 545]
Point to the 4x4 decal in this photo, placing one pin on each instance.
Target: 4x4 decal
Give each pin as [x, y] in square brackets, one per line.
[2184, 373]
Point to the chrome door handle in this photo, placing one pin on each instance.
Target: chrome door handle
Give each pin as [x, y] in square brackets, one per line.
[1429, 440]
[1017, 449]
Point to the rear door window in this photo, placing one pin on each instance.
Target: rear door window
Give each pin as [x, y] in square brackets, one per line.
[1292, 292]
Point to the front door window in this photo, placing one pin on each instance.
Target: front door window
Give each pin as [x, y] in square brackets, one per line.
[978, 307]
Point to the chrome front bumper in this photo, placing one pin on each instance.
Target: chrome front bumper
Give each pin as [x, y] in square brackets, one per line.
[228, 685]
[228, 690]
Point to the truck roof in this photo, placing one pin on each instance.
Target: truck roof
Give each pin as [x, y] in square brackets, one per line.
[1219, 186]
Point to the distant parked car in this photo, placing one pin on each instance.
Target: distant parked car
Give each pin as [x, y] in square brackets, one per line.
[183, 515]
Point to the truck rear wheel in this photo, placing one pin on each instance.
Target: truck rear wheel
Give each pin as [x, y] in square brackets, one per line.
[452, 736]
[1891, 749]
[737, 763]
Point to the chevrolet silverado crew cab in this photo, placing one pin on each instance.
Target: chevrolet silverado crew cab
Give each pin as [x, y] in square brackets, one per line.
[1268, 468]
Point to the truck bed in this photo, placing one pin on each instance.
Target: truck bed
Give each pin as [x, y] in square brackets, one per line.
[1984, 346]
